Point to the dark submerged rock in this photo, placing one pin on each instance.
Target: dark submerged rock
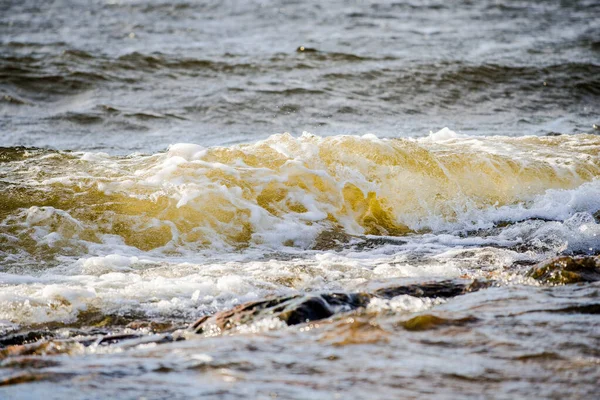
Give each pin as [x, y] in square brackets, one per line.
[443, 289]
[428, 321]
[578, 309]
[19, 338]
[567, 270]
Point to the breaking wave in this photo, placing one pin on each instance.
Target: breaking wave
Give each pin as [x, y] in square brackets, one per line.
[287, 191]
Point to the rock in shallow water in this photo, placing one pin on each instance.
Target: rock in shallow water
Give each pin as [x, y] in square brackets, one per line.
[298, 309]
[292, 310]
[428, 321]
[566, 270]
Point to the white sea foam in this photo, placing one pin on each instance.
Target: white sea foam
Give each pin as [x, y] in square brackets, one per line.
[402, 303]
[126, 285]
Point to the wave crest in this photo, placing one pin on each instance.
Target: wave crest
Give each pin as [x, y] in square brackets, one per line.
[286, 190]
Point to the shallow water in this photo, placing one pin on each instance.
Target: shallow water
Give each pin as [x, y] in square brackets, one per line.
[145, 183]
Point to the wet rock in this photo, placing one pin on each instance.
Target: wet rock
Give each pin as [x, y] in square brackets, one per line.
[153, 326]
[338, 240]
[368, 243]
[507, 223]
[106, 327]
[567, 270]
[443, 289]
[36, 343]
[91, 327]
[112, 339]
[240, 314]
[20, 338]
[578, 309]
[354, 330]
[310, 309]
[28, 377]
[331, 240]
[292, 310]
[29, 363]
[41, 348]
[543, 356]
[427, 321]
[299, 309]
[23, 378]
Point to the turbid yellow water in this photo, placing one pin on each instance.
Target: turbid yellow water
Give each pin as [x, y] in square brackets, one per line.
[283, 191]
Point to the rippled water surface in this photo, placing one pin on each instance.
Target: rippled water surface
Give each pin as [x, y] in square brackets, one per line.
[137, 75]
[298, 199]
